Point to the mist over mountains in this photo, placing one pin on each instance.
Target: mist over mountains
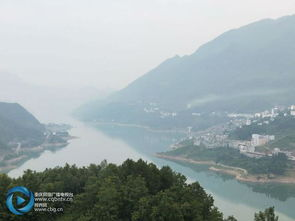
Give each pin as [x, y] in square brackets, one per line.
[243, 70]
[47, 103]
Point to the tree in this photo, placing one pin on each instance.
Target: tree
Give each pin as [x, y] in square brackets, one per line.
[267, 215]
[137, 191]
[231, 218]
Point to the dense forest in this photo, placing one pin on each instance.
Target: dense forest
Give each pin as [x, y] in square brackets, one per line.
[137, 191]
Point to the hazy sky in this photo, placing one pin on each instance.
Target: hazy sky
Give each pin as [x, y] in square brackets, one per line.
[109, 43]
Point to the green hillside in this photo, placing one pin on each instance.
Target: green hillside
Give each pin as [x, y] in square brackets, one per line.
[281, 126]
[277, 165]
[285, 143]
[18, 125]
[246, 69]
[133, 191]
[254, 61]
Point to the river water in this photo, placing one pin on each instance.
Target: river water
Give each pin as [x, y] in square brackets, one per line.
[116, 143]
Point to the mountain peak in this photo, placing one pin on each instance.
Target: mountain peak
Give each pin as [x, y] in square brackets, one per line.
[246, 69]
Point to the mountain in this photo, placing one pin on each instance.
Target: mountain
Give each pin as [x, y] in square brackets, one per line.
[47, 103]
[18, 125]
[246, 69]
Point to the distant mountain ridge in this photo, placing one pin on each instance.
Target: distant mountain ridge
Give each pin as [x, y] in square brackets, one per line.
[243, 70]
[47, 103]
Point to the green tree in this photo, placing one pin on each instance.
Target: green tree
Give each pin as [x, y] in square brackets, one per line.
[267, 215]
[137, 191]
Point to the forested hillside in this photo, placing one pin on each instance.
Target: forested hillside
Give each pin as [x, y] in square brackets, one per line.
[243, 70]
[18, 125]
[280, 126]
[135, 191]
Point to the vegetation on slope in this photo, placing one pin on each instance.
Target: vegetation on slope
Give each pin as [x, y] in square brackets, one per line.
[106, 192]
[18, 125]
[281, 126]
[277, 164]
[243, 70]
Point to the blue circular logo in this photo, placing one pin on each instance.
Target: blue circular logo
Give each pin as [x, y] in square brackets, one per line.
[20, 200]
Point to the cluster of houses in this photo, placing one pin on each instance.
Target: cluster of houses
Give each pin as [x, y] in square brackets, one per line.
[153, 108]
[213, 139]
[274, 112]
[248, 147]
[237, 119]
[269, 114]
[259, 140]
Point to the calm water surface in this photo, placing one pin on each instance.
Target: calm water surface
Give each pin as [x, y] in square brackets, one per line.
[116, 144]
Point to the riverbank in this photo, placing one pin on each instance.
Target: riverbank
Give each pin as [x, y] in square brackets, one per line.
[17, 158]
[239, 174]
[150, 129]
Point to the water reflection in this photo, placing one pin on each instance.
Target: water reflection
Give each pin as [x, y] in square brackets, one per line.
[116, 144]
[223, 187]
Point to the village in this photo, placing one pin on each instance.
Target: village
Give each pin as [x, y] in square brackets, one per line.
[217, 136]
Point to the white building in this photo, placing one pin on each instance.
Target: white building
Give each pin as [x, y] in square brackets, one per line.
[245, 148]
[258, 140]
[248, 122]
[257, 115]
[276, 151]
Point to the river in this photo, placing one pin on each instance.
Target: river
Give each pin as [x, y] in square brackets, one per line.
[117, 143]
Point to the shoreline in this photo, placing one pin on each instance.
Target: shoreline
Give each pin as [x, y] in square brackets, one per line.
[239, 174]
[30, 153]
[151, 129]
